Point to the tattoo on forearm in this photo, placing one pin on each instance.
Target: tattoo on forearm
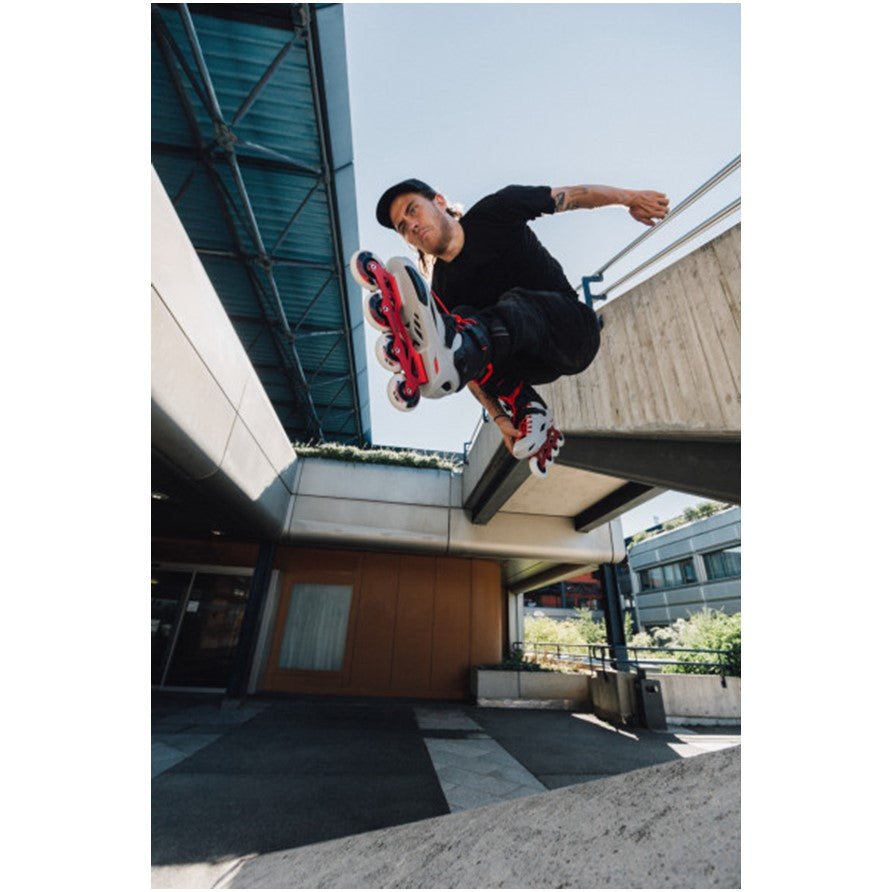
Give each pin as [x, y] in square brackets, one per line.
[568, 200]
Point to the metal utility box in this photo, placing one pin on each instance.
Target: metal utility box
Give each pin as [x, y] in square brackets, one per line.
[649, 697]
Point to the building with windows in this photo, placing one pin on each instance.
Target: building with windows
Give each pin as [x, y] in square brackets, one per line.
[686, 569]
[562, 599]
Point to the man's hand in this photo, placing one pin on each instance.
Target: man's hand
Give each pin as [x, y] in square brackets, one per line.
[509, 432]
[648, 207]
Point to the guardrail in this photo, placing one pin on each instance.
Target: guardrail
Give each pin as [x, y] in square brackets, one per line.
[711, 183]
[626, 657]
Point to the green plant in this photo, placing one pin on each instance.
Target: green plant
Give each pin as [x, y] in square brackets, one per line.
[711, 630]
[592, 632]
[378, 455]
[704, 509]
[545, 630]
[510, 665]
[516, 663]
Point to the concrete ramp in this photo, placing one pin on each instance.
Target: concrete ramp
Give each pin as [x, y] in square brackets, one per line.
[658, 409]
[674, 825]
[661, 402]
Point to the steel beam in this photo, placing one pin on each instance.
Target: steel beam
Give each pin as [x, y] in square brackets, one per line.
[626, 497]
[613, 616]
[306, 23]
[252, 162]
[246, 647]
[224, 137]
[502, 478]
[257, 89]
[708, 468]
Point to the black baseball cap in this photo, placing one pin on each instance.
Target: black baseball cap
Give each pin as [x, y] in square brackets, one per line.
[382, 212]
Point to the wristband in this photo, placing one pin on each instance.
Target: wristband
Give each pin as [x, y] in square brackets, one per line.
[500, 415]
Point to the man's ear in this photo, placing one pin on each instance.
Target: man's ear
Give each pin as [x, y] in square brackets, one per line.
[440, 202]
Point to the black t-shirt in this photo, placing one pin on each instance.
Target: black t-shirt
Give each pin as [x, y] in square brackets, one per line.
[500, 251]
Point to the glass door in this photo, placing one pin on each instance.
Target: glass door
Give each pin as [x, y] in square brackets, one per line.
[169, 591]
[196, 619]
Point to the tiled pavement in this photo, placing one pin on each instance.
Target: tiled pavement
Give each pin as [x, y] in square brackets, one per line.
[234, 780]
[472, 768]
[178, 733]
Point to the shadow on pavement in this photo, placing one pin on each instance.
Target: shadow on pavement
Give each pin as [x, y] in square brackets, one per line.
[278, 773]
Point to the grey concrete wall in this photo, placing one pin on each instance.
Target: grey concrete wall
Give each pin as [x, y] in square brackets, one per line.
[419, 509]
[669, 362]
[613, 696]
[700, 699]
[211, 416]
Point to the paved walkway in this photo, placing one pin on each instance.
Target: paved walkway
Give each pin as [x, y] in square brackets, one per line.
[233, 783]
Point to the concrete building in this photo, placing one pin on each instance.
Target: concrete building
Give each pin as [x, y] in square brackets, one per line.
[687, 569]
[274, 572]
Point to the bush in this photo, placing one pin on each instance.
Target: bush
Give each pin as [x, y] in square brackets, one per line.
[711, 630]
[517, 663]
[511, 665]
[545, 630]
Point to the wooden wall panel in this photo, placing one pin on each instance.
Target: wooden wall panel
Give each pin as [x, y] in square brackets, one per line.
[487, 611]
[452, 625]
[375, 624]
[417, 622]
[414, 625]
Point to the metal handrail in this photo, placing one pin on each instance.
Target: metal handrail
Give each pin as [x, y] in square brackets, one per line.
[607, 655]
[717, 217]
[713, 181]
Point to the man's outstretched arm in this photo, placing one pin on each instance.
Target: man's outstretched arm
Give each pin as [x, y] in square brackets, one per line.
[645, 206]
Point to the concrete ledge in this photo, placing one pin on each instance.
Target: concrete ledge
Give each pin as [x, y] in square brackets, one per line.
[530, 690]
[700, 699]
[560, 705]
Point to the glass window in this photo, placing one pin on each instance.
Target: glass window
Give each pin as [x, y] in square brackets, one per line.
[668, 575]
[722, 564]
[316, 627]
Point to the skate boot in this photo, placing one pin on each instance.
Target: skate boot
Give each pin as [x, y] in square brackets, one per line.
[432, 354]
[530, 415]
[544, 458]
[540, 440]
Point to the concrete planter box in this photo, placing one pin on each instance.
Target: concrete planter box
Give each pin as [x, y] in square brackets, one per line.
[530, 690]
[700, 699]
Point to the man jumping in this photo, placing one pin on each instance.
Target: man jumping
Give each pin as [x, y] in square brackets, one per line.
[511, 317]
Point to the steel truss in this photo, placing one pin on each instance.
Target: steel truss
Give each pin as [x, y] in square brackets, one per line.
[259, 261]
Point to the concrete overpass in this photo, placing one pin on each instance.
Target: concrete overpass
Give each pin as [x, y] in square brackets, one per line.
[658, 409]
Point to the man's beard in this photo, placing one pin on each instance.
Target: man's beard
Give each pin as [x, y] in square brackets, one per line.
[442, 235]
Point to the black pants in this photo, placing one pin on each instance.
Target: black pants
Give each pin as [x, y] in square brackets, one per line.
[550, 334]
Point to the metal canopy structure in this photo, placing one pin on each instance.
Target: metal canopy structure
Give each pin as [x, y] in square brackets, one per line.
[242, 141]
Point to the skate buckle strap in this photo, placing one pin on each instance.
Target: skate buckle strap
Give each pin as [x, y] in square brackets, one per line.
[487, 374]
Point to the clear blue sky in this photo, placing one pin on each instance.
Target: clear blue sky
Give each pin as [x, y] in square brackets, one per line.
[472, 97]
